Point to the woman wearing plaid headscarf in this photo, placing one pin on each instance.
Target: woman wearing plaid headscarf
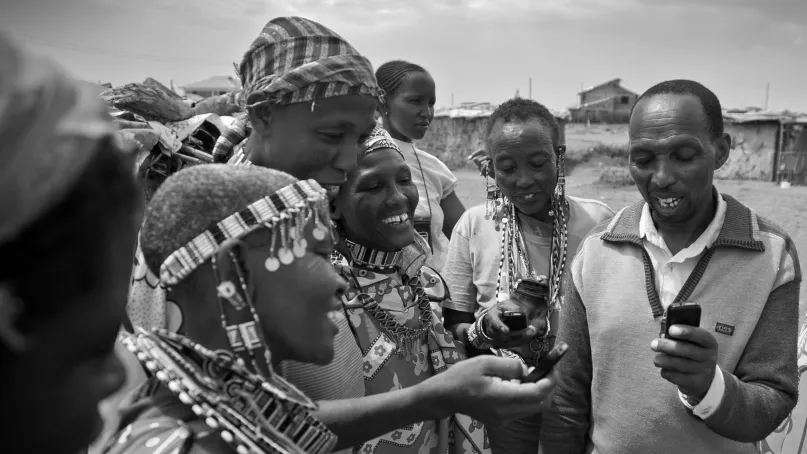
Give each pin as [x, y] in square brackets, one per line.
[310, 100]
[68, 219]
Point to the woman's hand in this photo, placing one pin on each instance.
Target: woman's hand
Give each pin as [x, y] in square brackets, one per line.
[502, 336]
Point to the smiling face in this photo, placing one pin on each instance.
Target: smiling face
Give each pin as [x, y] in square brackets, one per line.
[673, 158]
[324, 144]
[297, 302]
[377, 205]
[524, 163]
[411, 107]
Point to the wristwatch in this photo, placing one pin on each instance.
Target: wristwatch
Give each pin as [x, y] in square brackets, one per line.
[476, 334]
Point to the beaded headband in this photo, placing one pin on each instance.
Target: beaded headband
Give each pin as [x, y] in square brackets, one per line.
[379, 139]
[285, 212]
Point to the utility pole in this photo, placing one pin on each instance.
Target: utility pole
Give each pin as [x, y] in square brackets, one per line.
[530, 89]
[767, 94]
[452, 99]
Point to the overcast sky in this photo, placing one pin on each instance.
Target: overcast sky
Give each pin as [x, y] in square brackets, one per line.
[479, 50]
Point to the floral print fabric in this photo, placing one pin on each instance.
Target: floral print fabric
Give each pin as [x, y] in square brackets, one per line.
[385, 370]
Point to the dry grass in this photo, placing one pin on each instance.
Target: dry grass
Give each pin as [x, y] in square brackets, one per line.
[785, 207]
[615, 176]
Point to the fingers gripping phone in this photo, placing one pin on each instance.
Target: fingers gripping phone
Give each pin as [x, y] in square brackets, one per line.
[546, 365]
[683, 313]
[514, 320]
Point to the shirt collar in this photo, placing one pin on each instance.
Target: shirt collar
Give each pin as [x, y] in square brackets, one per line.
[648, 231]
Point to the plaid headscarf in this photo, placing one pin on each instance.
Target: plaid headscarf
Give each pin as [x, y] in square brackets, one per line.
[379, 139]
[49, 126]
[298, 60]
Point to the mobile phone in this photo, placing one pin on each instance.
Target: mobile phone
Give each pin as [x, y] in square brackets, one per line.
[546, 365]
[683, 313]
[515, 320]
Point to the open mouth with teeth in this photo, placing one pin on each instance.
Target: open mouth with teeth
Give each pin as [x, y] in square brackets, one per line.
[527, 197]
[398, 219]
[670, 202]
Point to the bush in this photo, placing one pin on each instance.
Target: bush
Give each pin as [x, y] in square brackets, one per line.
[616, 176]
[607, 154]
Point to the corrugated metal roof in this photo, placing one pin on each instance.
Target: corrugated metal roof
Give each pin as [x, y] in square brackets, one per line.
[761, 116]
[481, 110]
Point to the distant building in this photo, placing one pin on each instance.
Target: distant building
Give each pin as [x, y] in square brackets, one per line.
[608, 102]
[214, 86]
[768, 146]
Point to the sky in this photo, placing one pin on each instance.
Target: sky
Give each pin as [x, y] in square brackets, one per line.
[476, 50]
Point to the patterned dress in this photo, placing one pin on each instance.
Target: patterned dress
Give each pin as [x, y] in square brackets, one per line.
[386, 370]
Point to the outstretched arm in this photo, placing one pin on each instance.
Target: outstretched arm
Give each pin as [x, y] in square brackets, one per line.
[485, 388]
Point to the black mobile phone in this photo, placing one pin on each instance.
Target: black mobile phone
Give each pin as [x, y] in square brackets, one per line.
[546, 365]
[683, 313]
[515, 320]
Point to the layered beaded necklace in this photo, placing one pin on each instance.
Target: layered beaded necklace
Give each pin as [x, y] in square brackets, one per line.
[514, 250]
[405, 338]
[251, 413]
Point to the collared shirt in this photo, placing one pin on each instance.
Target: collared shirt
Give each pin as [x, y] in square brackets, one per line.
[672, 272]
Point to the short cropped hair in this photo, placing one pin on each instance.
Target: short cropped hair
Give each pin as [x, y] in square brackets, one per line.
[711, 105]
[521, 110]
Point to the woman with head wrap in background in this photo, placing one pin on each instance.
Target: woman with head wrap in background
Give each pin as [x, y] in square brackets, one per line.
[407, 112]
[393, 299]
[68, 220]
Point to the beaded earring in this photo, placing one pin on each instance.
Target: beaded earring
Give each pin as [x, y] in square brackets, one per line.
[493, 195]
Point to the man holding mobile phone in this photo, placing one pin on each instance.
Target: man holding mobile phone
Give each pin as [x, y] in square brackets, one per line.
[682, 312]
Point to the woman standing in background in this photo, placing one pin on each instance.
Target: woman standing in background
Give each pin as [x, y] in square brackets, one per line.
[407, 113]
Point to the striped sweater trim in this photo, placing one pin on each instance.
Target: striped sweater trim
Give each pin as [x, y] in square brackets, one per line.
[740, 229]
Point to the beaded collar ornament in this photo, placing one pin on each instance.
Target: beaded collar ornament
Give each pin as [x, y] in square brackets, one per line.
[362, 259]
[251, 413]
[514, 256]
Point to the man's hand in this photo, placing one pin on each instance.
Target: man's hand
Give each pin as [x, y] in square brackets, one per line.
[500, 333]
[488, 389]
[688, 360]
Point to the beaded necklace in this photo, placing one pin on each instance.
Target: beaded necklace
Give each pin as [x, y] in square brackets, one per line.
[251, 413]
[514, 251]
[406, 339]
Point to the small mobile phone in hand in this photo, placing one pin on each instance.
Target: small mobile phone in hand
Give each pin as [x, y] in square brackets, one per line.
[682, 313]
[515, 320]
[546, 365]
